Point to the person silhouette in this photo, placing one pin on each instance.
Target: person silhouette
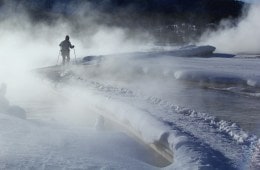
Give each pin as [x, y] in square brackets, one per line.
[65, 46]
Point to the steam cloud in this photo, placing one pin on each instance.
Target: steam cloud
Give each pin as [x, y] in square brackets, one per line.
[244, 38]
[26, 44]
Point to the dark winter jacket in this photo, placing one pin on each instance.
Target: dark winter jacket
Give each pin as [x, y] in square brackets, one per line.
[65, 46]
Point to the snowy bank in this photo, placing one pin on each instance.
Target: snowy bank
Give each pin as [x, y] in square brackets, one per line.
[192, 139]
[168, 138]
[29, 145]
[185, 51]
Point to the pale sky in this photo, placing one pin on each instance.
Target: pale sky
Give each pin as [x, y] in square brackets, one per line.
[252, 1]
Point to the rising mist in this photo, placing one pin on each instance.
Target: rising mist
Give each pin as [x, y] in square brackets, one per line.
[28, 43]
[242, 38]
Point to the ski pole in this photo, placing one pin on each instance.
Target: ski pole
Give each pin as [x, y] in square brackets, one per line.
[58, 58]
[75, 56]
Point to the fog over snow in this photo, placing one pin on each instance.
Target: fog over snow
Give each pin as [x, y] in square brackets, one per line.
[26, 45]
[203, 110]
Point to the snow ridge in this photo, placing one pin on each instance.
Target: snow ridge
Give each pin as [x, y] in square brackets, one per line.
[230, 128]
[180, 138]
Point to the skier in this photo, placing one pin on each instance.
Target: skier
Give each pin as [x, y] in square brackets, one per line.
[65, 49]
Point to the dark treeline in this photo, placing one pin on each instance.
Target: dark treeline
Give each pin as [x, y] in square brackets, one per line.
[168, 20]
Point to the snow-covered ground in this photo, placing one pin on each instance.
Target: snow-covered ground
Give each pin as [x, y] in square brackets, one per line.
[60, 136]
[28, 145]
[205, 110]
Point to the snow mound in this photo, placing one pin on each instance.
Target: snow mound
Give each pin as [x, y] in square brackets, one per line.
[91, 60]
[144, 125]
[192, 50]
[185, 51]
